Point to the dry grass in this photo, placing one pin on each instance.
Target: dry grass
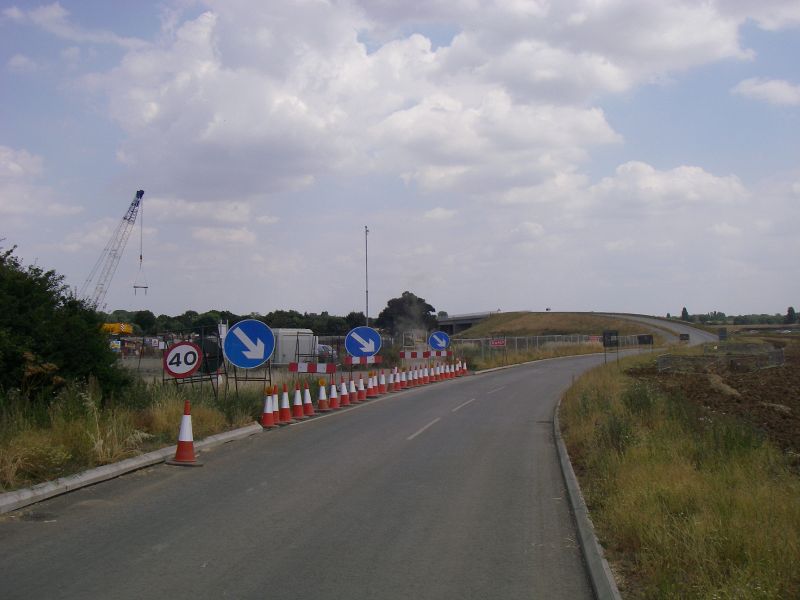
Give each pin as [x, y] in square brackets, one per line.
[550, 323]
[77, 431]
[688, 507]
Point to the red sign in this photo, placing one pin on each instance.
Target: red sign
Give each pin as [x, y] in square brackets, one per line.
[498, 343]
[182, 359]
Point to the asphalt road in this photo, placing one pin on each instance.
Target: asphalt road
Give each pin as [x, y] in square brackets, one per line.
[447, 491]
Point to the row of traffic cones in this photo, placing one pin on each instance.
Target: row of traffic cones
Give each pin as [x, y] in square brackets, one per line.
[277, 414]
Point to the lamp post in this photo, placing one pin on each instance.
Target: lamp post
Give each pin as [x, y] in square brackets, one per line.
[366, 272]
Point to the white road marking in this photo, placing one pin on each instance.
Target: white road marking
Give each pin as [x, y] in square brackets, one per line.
[462, 405]
[496, 390]
[436, 420]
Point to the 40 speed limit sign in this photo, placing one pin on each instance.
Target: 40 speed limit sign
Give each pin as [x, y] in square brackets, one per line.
[182, 359]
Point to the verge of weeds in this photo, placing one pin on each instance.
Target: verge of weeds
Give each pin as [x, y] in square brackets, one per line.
[687, 504]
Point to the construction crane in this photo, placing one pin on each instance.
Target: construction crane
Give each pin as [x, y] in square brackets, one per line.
[105, 267]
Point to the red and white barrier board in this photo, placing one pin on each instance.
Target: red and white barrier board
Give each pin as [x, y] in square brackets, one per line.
[362, 360]
[312, 367]
[426, 354]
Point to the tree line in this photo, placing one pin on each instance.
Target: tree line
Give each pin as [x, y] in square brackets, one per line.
[408, 311]
[48, 337]
[720, 318]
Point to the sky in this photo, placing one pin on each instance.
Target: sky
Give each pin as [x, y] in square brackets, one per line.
[579, 155]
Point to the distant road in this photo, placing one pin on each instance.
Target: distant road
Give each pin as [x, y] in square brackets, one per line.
[447, 491]
[672, 328]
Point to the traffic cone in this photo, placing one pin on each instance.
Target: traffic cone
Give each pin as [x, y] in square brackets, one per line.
[390, 383]
[285, 413]
[334, 403]
[403, 380]
[267, 418]
[426, 376]
[297, 406]
[382, 383]
[458, 369]
[276, 413]
[184, 453]
[353, 395]
[362, 392]
[344, 396]
[308, 407]
[413, 381]
[372, 391]
[322, 403]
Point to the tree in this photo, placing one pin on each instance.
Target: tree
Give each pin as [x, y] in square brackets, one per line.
[791, 316]
[405, 313]
[146, 320]
[48, 336]
[685, 315]
[355, 319]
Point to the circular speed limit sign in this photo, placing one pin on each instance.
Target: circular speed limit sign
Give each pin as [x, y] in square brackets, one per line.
[182, 359]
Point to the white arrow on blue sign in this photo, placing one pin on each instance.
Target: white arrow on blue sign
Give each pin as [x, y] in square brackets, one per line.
[439, 340]
[249, 344]
[362, 341]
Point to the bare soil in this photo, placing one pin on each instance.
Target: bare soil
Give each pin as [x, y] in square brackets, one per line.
[769, 399]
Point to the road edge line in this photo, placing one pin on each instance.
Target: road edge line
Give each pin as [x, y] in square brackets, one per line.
[11, 501]
[600, 575]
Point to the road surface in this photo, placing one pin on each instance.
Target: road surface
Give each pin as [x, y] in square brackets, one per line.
[447, 491]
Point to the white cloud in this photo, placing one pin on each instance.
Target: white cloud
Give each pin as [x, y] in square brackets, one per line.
[177, 209]
[725, 229]
[531, 229]
[439, 214]
[21, 194]
[22, 64]
[55, 19]
[224, 235]
[773, 91]
[640, 187]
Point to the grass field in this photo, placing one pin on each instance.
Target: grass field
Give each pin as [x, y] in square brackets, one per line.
[550, 323]
[689, 502]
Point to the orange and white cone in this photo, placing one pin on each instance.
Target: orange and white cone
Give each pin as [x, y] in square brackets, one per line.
[322, 403]
[403, 381]
[371, 391]
[362, 392]
[276, 415]
[184, 453]
[308, 407]
[382, 383]
[267, 418]
[344, 396]
[353, 392]
[297, 405]
[285, 413]
[390, 383]
[334, 401]
[426, 375]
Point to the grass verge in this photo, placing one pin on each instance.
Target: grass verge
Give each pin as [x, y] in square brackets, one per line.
[686, 503]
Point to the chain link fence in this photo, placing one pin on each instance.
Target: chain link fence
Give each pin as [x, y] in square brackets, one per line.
[733, 356]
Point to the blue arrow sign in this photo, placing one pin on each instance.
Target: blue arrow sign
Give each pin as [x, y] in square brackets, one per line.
[249, 344]
[439, 340]
[362, 341]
